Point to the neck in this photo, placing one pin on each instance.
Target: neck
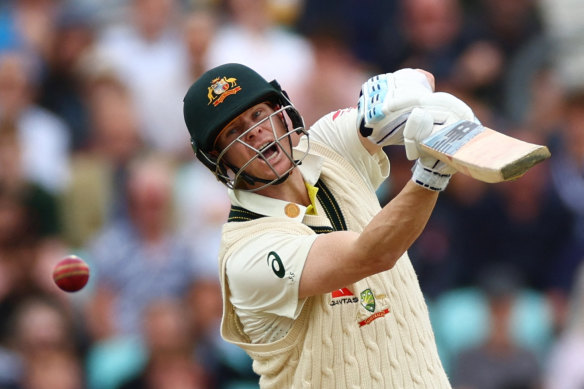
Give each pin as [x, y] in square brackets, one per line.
[292, 190]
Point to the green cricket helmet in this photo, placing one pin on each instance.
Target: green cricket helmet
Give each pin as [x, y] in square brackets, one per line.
[219, 96]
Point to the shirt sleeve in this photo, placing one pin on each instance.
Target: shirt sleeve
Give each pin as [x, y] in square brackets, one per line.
[264, 274]
[338, 130]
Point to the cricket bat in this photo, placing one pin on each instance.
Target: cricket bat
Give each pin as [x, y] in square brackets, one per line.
[482, 153]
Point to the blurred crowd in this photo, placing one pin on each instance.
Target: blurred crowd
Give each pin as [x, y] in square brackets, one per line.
[95, 160]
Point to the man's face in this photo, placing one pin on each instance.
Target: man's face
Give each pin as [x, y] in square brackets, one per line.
[242, 142]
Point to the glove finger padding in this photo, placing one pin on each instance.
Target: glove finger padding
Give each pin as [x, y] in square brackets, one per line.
[385, 103]
[446, 108]
[418, 127]
[408, 77]
[441, 109]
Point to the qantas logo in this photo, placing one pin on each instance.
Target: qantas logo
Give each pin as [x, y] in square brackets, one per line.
[343, 296]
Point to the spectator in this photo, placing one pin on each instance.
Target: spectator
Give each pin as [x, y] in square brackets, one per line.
[427, 34]
[202, 207]
[563, 27]
[147, 51]
[565, 369]
[250, 36]
[568, 182]
[28, 25]
[42, 208]
[334, 64]
[499, 361]
[25, 250]
[200, 27]
[138, 259]
[61, 90]
[458, 238]
[44, 344]
[352, 20]
[228, 364]
[169, 344]
[43, 136]
[54, 368]
[499, 31]
[533, 223]
[96, 193]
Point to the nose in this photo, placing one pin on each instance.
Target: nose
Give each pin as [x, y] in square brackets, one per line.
[257, 130]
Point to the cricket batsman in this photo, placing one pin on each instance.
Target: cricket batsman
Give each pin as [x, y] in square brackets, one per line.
[317, 285]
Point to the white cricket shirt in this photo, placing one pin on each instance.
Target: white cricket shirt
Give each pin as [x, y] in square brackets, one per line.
[265, 273]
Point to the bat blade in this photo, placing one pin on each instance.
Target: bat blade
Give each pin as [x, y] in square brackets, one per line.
[484, 154]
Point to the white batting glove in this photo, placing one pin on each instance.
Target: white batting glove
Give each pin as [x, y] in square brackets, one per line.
[385, 103]
[438, 111]
[428, 171]
[444, 109]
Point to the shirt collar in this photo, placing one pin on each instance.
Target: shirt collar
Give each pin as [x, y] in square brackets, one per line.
[310, 169]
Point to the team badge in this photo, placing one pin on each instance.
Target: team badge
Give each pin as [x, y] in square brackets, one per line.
[375, 306]
[220, 88]
[368, 300]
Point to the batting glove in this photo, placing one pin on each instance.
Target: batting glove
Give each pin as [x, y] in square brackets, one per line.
[428, 171]
[439, 110]
[386, 102]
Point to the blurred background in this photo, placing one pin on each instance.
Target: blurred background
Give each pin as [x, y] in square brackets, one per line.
[95, 160]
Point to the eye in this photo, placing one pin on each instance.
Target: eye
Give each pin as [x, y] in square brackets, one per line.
[257, 114]
[231, 133]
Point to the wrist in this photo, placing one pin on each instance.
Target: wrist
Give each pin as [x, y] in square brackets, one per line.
[429, 178]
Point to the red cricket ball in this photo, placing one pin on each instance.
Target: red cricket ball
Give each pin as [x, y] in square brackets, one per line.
[71, 273]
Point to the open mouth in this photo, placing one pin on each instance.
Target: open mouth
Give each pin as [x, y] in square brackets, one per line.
[269, 151]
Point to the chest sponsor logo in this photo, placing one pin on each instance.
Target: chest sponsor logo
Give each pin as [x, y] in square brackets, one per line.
[343, 296]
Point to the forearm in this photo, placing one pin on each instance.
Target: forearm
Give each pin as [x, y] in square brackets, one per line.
[391, 232]
[344, 257]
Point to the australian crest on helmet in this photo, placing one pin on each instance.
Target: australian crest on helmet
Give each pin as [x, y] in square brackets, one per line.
[220, 88]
